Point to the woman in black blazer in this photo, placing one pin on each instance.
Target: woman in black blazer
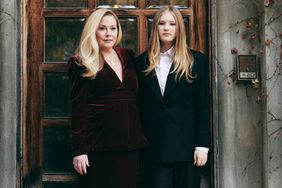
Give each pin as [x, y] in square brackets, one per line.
[174, 102]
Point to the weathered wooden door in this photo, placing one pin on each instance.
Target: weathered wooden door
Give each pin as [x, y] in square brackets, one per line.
[52, 30]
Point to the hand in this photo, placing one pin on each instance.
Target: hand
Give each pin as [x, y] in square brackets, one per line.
[80, 163]
[200, 158]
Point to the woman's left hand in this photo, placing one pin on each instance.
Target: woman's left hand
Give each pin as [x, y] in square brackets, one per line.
[200, 158]
[80, 164]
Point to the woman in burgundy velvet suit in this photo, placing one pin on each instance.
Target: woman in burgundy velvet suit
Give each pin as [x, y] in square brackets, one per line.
[105, 123]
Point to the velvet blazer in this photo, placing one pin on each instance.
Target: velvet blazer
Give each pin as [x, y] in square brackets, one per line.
[177, 122]
[104, 115]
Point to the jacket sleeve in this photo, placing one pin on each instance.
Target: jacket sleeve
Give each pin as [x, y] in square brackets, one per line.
[78, 89]
[202, 105]
[138, 62]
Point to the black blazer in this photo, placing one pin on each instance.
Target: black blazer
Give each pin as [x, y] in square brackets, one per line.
[104, 115]
[179, 121]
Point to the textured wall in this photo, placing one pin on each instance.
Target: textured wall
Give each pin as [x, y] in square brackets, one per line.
[237, 110]
[272, 92]
[9, 84]
[247, 117]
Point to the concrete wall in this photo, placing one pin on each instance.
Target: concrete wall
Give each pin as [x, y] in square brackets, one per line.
[247, 120]
[9, 94]
[238, 117]
[272, 91]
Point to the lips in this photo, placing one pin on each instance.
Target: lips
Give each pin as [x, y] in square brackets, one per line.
[108, 40]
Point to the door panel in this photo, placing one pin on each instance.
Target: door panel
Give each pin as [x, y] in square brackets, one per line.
[65, 3]
[57, 150]
[56, 95]
[61, 38]
[53, 32]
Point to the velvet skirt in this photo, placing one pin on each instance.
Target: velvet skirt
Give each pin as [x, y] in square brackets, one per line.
[110, 169]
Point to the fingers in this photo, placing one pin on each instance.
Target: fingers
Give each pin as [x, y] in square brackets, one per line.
[200, 158]
[87, 161]
[83, 167]
[78, 168]
[201, 162]
[80, 164]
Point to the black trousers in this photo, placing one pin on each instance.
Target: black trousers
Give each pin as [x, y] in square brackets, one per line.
[111, 170]
[171, 175]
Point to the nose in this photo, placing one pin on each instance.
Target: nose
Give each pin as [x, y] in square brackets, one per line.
[166, 27]
[108, 32]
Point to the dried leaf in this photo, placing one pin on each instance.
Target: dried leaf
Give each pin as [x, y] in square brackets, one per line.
[253, 36]
[232, 75]
[234, 51]
[267, 42]
[249, 24]
[255, 83]
[258, 99]
[268, 3]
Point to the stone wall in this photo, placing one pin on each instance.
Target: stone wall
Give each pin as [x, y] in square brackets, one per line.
[247, 116]
[9, 94]
[272, 92]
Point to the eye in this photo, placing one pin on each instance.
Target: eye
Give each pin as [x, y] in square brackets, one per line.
[113, 28]
[161, 23]
[102, 28]
[172, 24]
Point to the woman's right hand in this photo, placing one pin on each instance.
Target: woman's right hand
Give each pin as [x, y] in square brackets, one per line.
[80, 164]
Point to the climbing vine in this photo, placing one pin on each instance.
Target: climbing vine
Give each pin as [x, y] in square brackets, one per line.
[249, 32]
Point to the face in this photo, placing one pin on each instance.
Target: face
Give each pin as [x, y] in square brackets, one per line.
[106, 33]
[167, 28]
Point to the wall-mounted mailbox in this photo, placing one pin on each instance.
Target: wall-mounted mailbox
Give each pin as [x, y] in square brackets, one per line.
[247, 67]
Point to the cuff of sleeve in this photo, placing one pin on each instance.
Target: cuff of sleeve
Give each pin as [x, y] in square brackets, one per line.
[203, 149]
[77, 153]
[79, 149]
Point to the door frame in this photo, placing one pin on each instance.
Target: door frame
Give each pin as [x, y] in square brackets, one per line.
[30, 90]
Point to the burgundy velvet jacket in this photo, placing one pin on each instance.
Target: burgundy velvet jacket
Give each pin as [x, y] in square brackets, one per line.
[104, 116]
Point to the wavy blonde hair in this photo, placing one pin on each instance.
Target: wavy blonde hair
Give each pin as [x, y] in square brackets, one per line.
[182, 56]
[88, 49]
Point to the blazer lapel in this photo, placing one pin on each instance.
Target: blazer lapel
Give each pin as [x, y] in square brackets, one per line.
[170, 83]
[152, 81]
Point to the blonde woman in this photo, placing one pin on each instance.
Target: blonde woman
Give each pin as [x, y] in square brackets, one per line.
[174, 103]
[105, 123]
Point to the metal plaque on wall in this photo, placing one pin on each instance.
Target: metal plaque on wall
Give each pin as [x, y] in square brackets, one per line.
[247, 68]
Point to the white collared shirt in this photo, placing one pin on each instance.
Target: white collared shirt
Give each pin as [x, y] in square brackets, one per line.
[162, 70]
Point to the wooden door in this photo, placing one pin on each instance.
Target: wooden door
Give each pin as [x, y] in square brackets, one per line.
[51, 33]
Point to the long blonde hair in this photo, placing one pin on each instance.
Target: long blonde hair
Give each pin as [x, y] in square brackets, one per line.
[182, 56]
[88, 49]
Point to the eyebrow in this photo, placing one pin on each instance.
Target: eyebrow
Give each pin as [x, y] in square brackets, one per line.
[106, 26]
[166, 20]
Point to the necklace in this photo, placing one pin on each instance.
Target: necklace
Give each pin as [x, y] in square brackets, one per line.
[112, 62]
